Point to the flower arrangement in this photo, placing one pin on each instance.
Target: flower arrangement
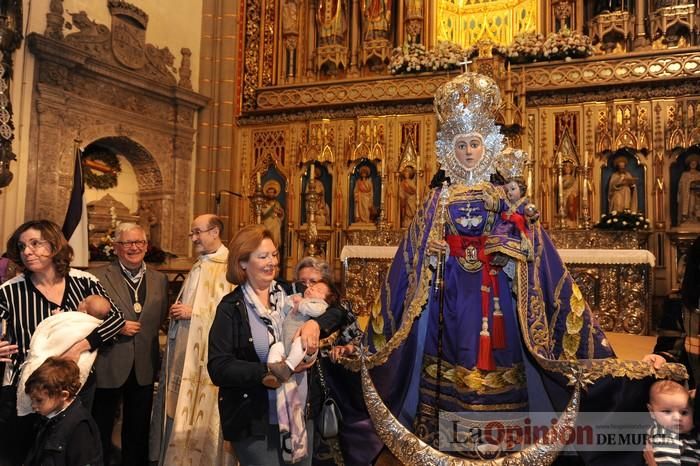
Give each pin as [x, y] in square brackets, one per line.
[565, 44]
[625, 220]
[414, 58]
[526, 47]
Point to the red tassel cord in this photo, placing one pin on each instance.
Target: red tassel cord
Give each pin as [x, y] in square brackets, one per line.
[485, 361]
[498, 327]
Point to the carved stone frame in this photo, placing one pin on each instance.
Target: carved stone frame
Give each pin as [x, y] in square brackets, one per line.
[78, 94]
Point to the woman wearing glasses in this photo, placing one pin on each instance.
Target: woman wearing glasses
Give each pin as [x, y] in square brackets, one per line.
[47, 285]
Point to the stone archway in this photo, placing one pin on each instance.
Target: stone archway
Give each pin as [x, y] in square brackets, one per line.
[89, 91]
[152, 201]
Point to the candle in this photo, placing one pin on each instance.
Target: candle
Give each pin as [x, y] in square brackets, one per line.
[381, 199]
[258, 179]
[311, 172]
[585, 160]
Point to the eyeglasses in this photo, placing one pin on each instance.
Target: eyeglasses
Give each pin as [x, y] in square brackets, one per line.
[139, 243]
[199, 232]
[33, 244]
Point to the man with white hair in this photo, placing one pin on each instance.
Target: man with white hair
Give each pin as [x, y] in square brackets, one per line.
[127, 369]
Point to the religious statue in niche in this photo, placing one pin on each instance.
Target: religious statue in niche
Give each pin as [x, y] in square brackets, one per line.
[273, 212]
[622, 188]
[331, 22]
[363, 196]
[323, 211]
[376, 19]
[414, 20]
[689, 191]
[570, 193]
[290, 17]
[407, 195]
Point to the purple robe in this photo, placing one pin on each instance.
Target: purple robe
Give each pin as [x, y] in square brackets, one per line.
[546, 322]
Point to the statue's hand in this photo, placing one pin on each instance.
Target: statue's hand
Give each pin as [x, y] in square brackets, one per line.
[436, 247]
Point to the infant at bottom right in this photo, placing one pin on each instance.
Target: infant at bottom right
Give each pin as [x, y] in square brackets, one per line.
[673, 438]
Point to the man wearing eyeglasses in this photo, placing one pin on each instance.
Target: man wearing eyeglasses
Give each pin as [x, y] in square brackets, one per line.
[187, 438]
[127, 370]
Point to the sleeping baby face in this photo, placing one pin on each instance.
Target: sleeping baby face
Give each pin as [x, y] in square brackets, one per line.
[317, 290]
[96, 306]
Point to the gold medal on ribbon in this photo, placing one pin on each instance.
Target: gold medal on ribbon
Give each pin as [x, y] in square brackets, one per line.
[137, 307]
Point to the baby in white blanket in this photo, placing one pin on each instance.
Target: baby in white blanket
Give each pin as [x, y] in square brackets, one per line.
[284, 356]
[287, 354]
[57, 334]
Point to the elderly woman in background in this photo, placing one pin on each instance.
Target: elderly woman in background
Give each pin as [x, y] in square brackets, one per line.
[47, 285]
[310, 270]
[248, 321]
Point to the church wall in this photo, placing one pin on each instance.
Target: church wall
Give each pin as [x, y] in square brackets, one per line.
[174, 28]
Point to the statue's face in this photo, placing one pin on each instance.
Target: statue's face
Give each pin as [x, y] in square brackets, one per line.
[693, 164]
[513, 191]
[469, 149]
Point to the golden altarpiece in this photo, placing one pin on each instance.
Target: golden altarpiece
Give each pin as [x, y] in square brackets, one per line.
[334, 151]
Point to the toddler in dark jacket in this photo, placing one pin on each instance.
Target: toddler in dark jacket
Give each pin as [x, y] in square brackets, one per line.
[68, 435]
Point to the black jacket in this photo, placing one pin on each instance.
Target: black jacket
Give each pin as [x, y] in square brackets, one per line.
[235, 368]
[71, 438]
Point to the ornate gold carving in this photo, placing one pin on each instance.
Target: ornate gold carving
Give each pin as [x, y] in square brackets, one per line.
[607, 70]
[251, 54]
[396, 89]
[636, 90]
[330, 59]
[374, 237]
[599, 239]
[664, 19]
[269, 31]
[611, 31]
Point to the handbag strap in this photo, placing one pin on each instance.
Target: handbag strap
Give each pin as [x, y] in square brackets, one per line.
[322, 379]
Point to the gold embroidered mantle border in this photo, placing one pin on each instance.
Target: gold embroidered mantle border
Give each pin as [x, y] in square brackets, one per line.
[390, 88]
[657, 65]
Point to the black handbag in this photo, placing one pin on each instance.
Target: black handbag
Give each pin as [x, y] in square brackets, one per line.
[328, 422]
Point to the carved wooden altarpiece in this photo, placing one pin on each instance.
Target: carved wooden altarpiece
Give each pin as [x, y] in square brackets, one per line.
[100, 84]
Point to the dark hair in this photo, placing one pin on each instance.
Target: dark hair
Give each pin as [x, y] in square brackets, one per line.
[54, 376]
[333, 296]
[246, 241]
[61, 251]
[215, 221]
